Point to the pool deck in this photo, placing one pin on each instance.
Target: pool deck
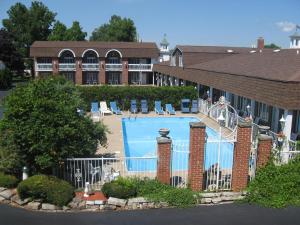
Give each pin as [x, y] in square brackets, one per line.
[115, 145]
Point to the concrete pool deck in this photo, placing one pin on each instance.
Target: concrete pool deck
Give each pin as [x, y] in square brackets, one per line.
[115, 146]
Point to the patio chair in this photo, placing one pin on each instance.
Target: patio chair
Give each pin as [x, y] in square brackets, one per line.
[114, 108]
[144, 106]
[157, 108]
[170, 109]
[195, 106]
[133, 107]
[103, 108]
[185, 105]
[95, 113]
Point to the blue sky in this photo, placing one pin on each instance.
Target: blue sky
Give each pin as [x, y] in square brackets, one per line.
[196, 22]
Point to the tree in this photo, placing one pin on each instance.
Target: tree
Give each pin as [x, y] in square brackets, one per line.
[61, 33]
[272, 46]
[27, 25]
[117, 29]
[8, 53]
[5, 78]
[41, 125]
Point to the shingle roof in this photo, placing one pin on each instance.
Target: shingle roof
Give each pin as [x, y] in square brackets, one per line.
[128, 49]
[213, 49]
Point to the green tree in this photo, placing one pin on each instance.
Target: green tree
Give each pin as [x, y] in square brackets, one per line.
[61, 33]
[27, 25]
[9, 54]
[118, 29]
[41, 125]
[272, 46]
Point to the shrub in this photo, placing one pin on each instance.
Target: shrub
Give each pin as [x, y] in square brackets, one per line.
[8, 181]
[48, 188]
[276, 186]
[123, 94]
[41, 125]
[5, 79]
[120, 188]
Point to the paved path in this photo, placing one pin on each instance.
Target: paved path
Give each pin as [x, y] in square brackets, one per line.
[229, 214]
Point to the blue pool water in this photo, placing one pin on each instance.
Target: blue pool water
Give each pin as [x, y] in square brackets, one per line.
[139, 136]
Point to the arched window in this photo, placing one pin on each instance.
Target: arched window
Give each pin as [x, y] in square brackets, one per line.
[113, 57]
[67, 57]
[90, 57]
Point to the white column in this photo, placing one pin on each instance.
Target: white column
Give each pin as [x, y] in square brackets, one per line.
[211, 89]
[288, 115]
[153, 77]
[161, 80]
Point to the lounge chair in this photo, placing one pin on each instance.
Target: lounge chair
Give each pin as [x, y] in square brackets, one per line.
[115, 109]
[95, 113]
[185, 105]
[144, 106]
[157, 108]
[195, 106]
[170, 109]
[133, 107]
[103, 109]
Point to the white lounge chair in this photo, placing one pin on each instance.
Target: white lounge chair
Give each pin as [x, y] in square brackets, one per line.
[104, 109]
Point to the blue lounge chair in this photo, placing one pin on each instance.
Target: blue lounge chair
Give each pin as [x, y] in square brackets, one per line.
[185, 105]
[144, 106]
[195, 106]
[95, 113]
[115, 109]
[170, 109]
[133, 107]
[157, 108]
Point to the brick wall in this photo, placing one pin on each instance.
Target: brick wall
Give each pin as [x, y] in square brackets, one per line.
[125, 71]
[101, 75]
[196, 159]
[78, 73]
[241, 155]
[164, 159]
[264, 150]
[55, 65]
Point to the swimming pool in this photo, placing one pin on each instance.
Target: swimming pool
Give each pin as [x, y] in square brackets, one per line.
[139, 138]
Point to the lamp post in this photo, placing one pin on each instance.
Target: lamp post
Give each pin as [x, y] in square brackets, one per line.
[282, 123]
[248, 111]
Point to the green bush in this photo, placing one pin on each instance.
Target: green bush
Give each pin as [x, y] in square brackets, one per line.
[120, 188]
[276, 186]
[48, 188]
[8, 181]
[5, 79]
[123, 95]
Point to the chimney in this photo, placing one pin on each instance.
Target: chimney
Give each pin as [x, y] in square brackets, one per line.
[260, 43]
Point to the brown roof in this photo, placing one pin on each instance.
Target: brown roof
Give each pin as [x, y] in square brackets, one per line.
[212, 49]
[127, 49]
[282, 66]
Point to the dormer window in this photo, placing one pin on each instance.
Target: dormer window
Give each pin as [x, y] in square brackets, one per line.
[180, 61]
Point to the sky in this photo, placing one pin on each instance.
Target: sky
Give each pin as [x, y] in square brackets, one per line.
[190, 22]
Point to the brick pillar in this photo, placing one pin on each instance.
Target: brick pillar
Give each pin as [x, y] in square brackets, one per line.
[196, 159]
[101, 75]
[125, 71]
[78, 73]
[264, 150]
[164, 159]
[241, 156]
[55, 66]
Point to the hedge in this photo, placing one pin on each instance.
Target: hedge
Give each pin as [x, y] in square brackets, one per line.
[47, 188]
[5, 79]
[123, 95]
[8, 181]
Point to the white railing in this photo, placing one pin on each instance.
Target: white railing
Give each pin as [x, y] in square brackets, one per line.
[218, 164]
[140, 67]
[203, 106]
[97, 171]
[179, 164]
[67, 67]
[113, 67]
[43, 67]
[90, 66]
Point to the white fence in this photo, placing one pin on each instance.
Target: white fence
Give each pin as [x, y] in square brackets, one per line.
[179, 164]
[97, 171]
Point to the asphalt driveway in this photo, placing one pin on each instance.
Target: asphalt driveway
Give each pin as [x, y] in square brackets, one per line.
[229, 214]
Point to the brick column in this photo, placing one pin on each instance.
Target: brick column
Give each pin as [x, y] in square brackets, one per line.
[196, 159]
[125, 71]
[78, 73]
[55, 66]
[264, 150]
[101, 75]
[164, 159]
[241, 156]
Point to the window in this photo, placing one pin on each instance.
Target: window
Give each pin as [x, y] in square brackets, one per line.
[90, 77]
[90, 57]
[173, 60]
[44, 60]
[263, 111]
[180, 61]
[67, 57]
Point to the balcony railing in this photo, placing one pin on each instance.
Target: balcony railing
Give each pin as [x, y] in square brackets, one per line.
[90, 66]
[43, 67]
[140, 67]
[67, 67]
[113, 67]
